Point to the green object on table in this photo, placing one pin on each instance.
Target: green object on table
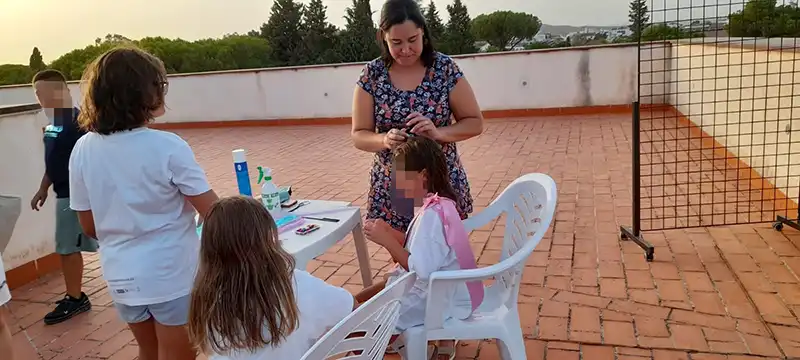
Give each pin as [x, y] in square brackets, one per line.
[285, 193]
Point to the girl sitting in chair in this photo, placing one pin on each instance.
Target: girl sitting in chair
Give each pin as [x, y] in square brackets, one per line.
[249, 302]
[435, 241]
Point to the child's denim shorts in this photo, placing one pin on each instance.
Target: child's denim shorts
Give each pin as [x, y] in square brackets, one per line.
[170, 313]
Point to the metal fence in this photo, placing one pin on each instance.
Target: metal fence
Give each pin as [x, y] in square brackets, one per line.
[713, 124]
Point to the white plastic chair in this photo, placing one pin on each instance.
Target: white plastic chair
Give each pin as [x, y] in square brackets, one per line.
[529, 204]
[376, 318]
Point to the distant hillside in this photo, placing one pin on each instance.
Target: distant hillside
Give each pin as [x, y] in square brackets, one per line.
[567, 29]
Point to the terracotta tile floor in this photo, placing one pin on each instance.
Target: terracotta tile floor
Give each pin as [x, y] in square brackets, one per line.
[712, 293]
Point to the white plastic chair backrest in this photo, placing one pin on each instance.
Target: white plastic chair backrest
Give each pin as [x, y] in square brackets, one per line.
[10, 210]
[372, 323]
[529, 204]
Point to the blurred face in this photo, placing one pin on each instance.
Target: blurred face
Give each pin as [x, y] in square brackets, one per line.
[405, 42]
[161, 109]
[159, 112]
[52, 94]
[411, 184]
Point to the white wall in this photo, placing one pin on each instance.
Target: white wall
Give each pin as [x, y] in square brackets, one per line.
[570, 77]
[22, 164]
[518, 80]
[745, 97]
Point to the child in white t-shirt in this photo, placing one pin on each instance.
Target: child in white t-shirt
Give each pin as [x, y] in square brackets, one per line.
[420, 169]
[136, 191]
[249, 302]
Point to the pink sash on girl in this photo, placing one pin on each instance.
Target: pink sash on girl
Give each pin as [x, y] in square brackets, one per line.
[458, 240]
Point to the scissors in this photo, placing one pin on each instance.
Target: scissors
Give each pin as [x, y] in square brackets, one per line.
[299, 205]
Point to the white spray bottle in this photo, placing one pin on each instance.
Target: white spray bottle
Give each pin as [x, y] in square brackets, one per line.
[270, 194]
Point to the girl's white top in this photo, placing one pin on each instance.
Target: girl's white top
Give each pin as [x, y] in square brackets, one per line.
[429, 252]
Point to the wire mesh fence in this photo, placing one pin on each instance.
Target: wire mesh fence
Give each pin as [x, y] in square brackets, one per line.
[718, 143]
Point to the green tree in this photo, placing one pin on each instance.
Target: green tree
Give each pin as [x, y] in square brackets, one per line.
[318, 34]
[547, 45]
[623, 40]
[180, 56]
[12, 74]
[666, 32]
[458, 38]
[283, 32]
[112, 39]
[583, 39]
[176, 54]
[434, 23]
[505, 29]
[35, 62]
[358, 41]
[764, 18]
[74, 62]
[247, 52]
[638, 16]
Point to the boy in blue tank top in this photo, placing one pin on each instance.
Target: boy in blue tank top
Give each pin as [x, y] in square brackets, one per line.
[60, 137]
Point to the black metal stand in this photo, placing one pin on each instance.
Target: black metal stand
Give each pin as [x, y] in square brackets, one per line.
[780, 221]
[634, 232]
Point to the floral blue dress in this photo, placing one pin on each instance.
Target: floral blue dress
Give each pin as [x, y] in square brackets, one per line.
[392, 105]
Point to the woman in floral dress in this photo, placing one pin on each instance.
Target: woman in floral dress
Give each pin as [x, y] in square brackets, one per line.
[410, 89]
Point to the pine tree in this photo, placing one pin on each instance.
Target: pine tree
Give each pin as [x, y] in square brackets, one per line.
[434, 23]
[35, 62]
[458, 37]
[283, 31]
[358, 41]
[318, 34]
[638, 17]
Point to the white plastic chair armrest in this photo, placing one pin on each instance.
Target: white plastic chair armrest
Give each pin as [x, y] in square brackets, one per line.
[440, 281]
[482, 218]
[492, 212]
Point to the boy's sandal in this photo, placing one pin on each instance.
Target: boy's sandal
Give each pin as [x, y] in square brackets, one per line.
[449, 351]
[433, 351]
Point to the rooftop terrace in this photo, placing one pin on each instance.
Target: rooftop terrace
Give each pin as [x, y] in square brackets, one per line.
[726, 292]
[723, 290]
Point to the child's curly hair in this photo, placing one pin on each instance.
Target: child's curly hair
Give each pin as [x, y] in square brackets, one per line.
[121, 90]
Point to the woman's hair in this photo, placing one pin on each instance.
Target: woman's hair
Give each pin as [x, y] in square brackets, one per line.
[420, 153]
[121, 89]
[396, 12]
[245, 281]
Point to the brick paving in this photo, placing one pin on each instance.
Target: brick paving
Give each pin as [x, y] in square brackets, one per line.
[712, 293]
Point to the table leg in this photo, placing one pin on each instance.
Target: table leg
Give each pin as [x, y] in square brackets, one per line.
[363, 254]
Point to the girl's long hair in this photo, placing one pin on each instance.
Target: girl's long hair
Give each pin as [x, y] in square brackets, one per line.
[419, 153]
[243, 297]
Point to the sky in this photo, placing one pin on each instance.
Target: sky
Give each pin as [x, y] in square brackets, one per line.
[58, 26]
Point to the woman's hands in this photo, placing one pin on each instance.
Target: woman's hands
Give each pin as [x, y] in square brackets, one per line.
[378, 231]
[394, 138]
[381, 233]
[417, 124]
[423, 126]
